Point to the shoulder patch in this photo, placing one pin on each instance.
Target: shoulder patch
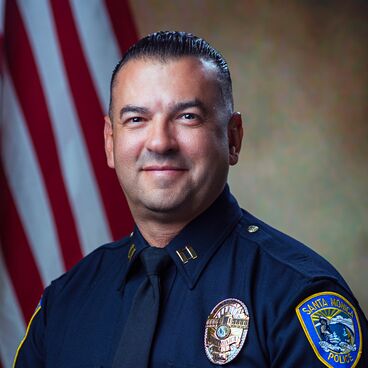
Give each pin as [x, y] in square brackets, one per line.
[332, 327]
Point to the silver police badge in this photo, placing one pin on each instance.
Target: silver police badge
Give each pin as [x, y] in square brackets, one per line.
[226, 330]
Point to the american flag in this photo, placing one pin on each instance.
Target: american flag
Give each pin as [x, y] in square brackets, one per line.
[59, 200]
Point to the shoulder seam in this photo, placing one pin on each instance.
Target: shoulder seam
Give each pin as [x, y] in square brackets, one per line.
[287, 265]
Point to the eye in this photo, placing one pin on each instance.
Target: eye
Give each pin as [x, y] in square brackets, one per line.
[135, 119]
[189, 118]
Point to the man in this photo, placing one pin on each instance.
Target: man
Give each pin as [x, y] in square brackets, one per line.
[199, 282]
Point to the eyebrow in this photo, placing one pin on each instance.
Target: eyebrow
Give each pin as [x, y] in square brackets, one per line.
[188, 104]
[133, 109]
[180, 106]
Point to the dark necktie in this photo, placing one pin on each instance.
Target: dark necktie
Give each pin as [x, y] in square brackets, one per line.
[135, 342]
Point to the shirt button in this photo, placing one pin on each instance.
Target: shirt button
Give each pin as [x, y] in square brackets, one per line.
[252, 228]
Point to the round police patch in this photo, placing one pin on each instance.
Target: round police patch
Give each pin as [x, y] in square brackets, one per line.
[226, 330]
[332, 327]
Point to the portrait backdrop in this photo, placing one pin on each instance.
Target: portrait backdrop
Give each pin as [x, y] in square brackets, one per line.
[300, 78]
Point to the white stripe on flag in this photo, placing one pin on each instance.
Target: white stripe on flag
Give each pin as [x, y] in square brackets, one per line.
[2, 11]
[26, 184]
[75, 162]
[12, 323]
[102, 56]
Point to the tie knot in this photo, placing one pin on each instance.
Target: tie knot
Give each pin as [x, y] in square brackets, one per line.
[154, 260]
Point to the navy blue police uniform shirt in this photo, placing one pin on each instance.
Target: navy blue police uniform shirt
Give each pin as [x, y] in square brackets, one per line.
[246, 296]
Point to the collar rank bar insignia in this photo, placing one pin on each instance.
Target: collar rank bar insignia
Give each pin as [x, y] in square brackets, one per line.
[332, 327]
[186, 254]
[131, 251]
[226, 330]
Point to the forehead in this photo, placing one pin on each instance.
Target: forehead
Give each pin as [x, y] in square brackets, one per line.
[184, 75]
[184, 63]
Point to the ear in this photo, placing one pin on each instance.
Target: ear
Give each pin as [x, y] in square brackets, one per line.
[109, 142]
[235, 136]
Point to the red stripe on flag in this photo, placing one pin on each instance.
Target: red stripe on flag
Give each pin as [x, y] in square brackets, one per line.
[28, 87]
[90, 115]
[122, 23]
[18, 256]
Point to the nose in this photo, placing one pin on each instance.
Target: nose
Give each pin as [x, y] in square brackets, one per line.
[161, 137]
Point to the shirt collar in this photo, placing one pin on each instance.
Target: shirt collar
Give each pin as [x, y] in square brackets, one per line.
[193, 247]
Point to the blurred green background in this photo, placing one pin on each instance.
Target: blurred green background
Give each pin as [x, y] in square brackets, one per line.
[300, 73]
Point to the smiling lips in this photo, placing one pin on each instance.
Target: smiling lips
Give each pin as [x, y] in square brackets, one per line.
[166, 172]
[162, 168]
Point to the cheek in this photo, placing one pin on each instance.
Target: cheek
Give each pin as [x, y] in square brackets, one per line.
[124, 153]
[212, 145]
[194, 147]
[206, 151]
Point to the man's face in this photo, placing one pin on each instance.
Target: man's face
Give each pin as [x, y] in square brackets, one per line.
[168, 138]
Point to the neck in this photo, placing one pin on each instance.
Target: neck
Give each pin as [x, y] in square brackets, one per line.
[158, 229]
[159, 234]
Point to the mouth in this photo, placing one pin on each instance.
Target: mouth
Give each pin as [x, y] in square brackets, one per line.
[163, 174]
[163, 168]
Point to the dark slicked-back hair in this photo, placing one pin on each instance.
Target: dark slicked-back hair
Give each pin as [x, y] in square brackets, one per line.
[168, 45]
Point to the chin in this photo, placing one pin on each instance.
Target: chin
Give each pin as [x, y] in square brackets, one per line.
[166, 203]
[163, 206]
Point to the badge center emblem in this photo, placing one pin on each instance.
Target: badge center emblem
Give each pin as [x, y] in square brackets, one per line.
[226, 330]
[223, 332]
